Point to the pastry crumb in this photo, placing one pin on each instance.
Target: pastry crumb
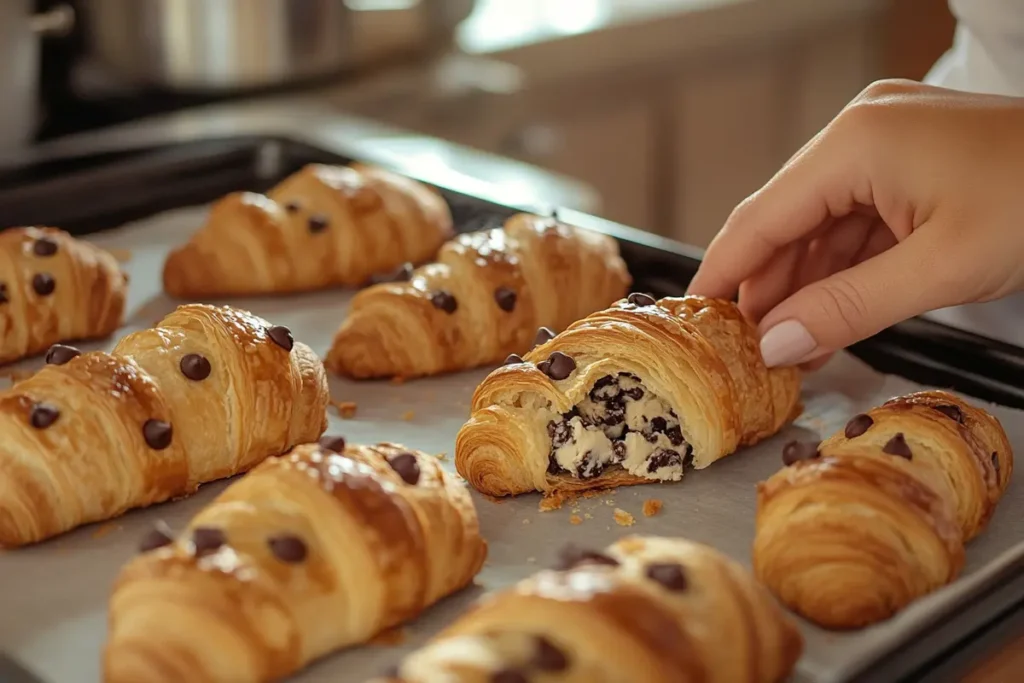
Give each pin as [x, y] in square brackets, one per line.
[623, 518]
[652, 506]
[575, 520]
[441, 456]
[550, 503]
[609, 502]
[397, 380]
[347, 409]
[121, 255]
[531, 560]
[526, 521]
[587, 515]
[409, 415]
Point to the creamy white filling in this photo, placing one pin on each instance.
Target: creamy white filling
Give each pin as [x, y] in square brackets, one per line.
[590, 445]
[640, 413]
[639, 451]
[589, 451]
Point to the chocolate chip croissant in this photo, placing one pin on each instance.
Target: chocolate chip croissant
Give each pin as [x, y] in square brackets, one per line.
[208, 393]
[851, 532]
[322, 226]
[311, 552]
[485, 298]
[647, 609]
[629, 395]
[55, 288]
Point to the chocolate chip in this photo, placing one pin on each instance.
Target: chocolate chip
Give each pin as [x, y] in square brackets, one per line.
[573, 556]
[195, 367]
[669, 574]
[952, 412]
[157, 434]
[406, 466]
[995, 461]
[333, 443]
[544, 335]
[282, 336]
[401, 274]
[795, 451]
[505, 298]
[897, 445]
[857, 425]
[288, 548]
[548, 657]
[636, 393]
[558, 366]
[59, 354]
[157, 537]
[619, 450]
[589, 466]
[207, 539]
[443, 300]
[560, 433]
[292, 207]
[513, 359]
[675, 435]
[44, 246]
[508, 676]
[663, 457]
[43, 284]
[3, 293]
[553, 466]
[43, 415]
[318, 223]
[640, 299]
[658, 424]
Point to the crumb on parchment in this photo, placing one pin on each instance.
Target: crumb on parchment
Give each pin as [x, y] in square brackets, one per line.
[409, 415]
[347, 409]
[526, 521]
[623, 518]
[575, 520]
[441, 456]
[531, 560]
[549, 503]
[652, 506]
[587, 515]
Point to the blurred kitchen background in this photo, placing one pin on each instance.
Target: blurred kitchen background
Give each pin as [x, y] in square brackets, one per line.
[672, 111]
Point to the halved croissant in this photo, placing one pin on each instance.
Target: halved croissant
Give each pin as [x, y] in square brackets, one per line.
[308, 553]
[629, 395]
[483, 299]
[208, 393]
[322, 226]
[55, 288]
[646, 609]
[852, 532]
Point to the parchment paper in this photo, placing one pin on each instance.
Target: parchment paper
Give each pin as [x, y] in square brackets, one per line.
[53, 596]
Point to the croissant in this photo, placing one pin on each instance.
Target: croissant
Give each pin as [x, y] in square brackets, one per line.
[485, 298]
[206, 394]
[55, 288]
[308, 553]
[646, 609]
[851, 532]
[633, 394]
[322, 226]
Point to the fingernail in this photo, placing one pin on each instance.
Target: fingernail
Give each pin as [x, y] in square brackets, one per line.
[788, 343]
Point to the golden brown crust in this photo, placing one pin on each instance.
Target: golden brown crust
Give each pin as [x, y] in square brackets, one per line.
[94, 461]
[853, 536]
[707, 622]
[378, 549]
[699, 355]
[320, 227]
[554, 274]
[55, 288]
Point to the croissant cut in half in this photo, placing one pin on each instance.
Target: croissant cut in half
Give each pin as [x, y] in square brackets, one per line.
[648, 609]
[311, 552]
[852, 532]
[629, 395]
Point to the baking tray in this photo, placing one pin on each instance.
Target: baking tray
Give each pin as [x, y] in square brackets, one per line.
[52, 606]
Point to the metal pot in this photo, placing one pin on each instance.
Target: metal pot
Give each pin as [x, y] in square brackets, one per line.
[20, 33]
[218, 45]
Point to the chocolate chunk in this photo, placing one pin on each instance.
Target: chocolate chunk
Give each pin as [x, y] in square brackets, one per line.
[897, 445]
[857, 425]
[513, 359]
[195, 367]
[547, 656]
[318, 223]
[560, 433]
[59, 354]
[573, 556]
[795, 451]
[292, 207]
[544, 335]
[675, 435]
[443, 300]
[669, 574]
[402, 274]
[44, 246]
[605, 388]
[640, 299]
[288, 548]
[157, 434]
[619, 449]
[157, 537]
[282, 336]
[952, 412]
[635, 393]
[505, 298]
[509, 676]
[658, 424]
[553, 466]
[333, 443]
[589, 466]
[688, 458]
[615, 413]
[207, 539]
[558, 366]
[3, 293]
[406, 466]
[43, 284]
[663, 457]
[995, 461]
[43, 415]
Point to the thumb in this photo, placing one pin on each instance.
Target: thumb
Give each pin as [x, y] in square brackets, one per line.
[855, 303]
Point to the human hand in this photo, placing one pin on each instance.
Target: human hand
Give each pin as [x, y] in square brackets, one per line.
[909, 200]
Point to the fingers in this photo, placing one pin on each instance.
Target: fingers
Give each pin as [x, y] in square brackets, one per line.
[773, 283]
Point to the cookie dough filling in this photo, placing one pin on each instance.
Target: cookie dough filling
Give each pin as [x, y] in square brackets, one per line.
[620, 423]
